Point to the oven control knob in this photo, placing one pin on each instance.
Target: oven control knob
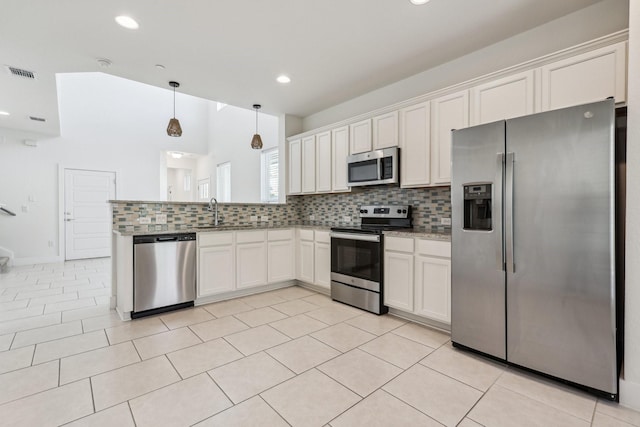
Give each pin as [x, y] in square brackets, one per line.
[399, 210]
[404, 211]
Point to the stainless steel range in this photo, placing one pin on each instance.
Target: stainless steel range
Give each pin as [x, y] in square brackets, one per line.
[357, 256]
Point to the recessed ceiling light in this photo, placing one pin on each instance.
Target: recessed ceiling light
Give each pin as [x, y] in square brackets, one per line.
[283, 79]
[176, 154]
[160, 67]
[418, 2]
[4, 113]
[127, 22]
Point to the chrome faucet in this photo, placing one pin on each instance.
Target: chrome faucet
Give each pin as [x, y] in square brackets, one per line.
[214, 209]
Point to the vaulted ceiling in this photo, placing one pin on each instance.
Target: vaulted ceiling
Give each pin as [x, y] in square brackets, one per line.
[232, 51]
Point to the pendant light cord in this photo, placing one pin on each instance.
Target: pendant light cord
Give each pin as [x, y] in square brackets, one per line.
[174, 102]
[256, 120]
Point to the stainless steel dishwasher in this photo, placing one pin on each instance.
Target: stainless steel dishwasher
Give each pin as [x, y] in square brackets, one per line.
[164, 273]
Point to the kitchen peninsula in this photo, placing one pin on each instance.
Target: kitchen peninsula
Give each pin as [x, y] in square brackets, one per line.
[259, 247]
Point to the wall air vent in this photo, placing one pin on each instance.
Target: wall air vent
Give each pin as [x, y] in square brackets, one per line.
[37, 119]
[19, 72]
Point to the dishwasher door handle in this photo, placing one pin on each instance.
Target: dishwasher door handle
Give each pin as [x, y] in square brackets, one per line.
[167, 239]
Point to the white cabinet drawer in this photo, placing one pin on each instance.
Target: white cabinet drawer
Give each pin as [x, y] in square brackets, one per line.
[306, 234]
[273, 235]
[250, 236]
[433, 248]
[215, 238]
[322, 237]
[398, 244]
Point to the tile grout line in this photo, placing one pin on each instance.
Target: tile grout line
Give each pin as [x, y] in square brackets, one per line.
[259, 395]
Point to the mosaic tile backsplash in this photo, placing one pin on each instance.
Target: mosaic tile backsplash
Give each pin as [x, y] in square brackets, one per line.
[429, 206]
[183, 216]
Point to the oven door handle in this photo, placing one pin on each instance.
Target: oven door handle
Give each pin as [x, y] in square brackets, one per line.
[355, 236]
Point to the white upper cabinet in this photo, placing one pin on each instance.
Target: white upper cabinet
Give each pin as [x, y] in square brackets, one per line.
[385, 130]
[295, 166]
[589, 77]
[415, 146]
[323, 162]
[360, 136]
[340, 152]
[505, 98]
[447, 113]
[309, 164]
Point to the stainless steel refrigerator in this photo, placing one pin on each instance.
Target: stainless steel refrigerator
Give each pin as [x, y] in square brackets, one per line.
[533, 243]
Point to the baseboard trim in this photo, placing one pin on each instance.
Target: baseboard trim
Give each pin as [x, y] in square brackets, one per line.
[243, 292]
[315, 288]
[630, 394]
[37, 260]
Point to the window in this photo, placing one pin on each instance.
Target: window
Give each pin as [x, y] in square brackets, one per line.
[269, 175]
[187, 182]
[223, 182]
[203, 189]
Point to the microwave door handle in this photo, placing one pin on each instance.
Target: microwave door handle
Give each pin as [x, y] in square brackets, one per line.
[380, 169]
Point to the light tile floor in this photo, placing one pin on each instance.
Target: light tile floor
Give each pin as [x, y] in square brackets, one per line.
[289, 357]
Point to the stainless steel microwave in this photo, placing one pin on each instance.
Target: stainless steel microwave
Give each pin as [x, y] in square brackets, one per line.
[373, 167]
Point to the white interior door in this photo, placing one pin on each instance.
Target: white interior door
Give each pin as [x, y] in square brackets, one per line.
[86, 213]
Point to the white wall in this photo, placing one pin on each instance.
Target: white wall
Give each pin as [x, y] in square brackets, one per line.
[630, 386]
[230, 133]
[602, 18]
[107, 123]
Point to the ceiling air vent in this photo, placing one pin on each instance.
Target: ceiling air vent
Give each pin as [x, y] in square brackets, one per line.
[19, 72]
[37, 119]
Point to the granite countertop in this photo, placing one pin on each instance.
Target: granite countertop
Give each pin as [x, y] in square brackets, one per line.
[424, 233]
[416, 232]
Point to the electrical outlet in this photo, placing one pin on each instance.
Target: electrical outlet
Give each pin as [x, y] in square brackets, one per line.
[445, 221]
[253, 218]
[32, 199]
[312, 217]
[346, 218]
[144, 220]
[25, 208]
[161, 218]
[158, 228]
[264, 218]
[50, 243]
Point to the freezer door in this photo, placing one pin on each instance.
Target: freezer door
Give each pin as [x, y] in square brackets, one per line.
[560, 244]
[477, 262]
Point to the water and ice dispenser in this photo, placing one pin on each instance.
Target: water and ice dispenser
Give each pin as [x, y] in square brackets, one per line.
[477, 207]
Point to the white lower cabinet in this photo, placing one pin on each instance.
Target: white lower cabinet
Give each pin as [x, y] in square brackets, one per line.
[252, 265]
[251, 257]
[417, 277]
[314, 257]
[237, 260]
[281, 256]
[322, 259]
[433, 288]
[216, 263]
[306, 259]
[398, 279]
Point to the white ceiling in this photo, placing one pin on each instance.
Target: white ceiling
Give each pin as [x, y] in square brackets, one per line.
[232, 50]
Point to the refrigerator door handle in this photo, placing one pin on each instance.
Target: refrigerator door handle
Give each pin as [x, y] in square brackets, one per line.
[497, 211]
[508, 200]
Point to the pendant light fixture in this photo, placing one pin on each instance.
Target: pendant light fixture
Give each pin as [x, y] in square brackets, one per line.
[174, 128]
[256, 141]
